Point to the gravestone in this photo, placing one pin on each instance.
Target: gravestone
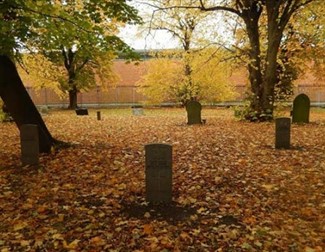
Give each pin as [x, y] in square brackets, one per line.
[43, 109]
[99, 117]
[81, 111]
[137, 110]
[158, 162]
[301, 108]
[193, 109]
[282, 133]
[29, 144]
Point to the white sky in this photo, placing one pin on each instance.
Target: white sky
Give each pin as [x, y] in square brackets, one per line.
[156, 40]
[142, 40]
[164, 40]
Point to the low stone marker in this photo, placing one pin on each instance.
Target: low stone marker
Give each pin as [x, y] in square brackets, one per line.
[43, 110]
[29, 144]
[193, 109]
[158, 162]
[81, 111]
[282, 133]
[301, 108]
[99, 117]
[137, 110]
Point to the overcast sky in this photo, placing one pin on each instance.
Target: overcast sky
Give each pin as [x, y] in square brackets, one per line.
[157, 40]
[164, 40]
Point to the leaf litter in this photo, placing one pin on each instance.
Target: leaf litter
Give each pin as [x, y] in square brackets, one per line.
[232, 190]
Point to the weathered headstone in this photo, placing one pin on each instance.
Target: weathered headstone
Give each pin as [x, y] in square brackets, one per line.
[282, 133]
[158, 161]
[193, 109]
[99, 117]
[137, 110]
[301, 108]
[81, 111]
[43, 109]
[29, 144]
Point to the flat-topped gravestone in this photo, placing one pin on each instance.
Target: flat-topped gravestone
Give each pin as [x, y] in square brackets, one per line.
[301, 108]
[99, 117]
[29, 144]
[43, 110]
[158, 162]
[282, 133]
[137, 110]
[193, 109]
[81, 111]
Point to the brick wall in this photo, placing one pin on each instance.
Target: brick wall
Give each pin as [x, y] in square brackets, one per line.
[128, 94]
[125, 91]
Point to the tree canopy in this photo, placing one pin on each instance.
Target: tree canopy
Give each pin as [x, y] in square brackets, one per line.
[79, 35]
[23, 21]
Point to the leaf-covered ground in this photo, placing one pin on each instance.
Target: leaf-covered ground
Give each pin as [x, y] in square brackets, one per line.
[232, 190]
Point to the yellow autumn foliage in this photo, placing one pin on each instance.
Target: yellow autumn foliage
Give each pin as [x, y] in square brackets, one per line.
[163, 77]
[38, 72]
[166, 79]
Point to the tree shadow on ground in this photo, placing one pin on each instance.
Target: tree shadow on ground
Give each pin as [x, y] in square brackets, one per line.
[171, 213]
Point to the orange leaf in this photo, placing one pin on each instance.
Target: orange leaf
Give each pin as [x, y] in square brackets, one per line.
[147, 229]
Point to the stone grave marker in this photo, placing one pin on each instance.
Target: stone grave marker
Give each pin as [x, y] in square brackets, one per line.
[158, 162]
[282, 133]
[137, 110]
[301, 108]
[81, 111]
[29, 144]
[43, 110]
[193, 109]
[99, 117]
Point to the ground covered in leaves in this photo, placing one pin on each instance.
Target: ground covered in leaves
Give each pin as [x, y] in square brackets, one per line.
[232, 190]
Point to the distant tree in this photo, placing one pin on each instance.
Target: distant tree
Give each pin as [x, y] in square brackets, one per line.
[166, 79]
[86, 51]
[186, 27]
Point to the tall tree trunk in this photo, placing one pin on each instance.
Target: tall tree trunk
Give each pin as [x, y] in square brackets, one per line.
[276, 23]
[254, 68]
[73, 98]
[19, 103]
[69, 63]
[251, 19]
[188, 73]
[270, 75]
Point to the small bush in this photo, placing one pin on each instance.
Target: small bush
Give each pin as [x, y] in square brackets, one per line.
[4, 115]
